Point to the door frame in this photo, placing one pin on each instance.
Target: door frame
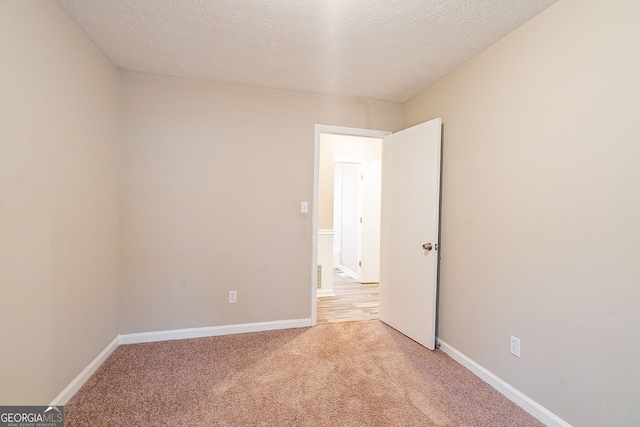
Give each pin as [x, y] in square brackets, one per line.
[336, 130]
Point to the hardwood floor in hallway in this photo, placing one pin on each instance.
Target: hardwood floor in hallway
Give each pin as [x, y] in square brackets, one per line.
[353, 300]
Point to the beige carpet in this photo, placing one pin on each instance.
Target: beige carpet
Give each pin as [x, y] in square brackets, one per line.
[340, 374]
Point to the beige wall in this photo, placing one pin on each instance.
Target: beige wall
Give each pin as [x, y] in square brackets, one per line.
[59, 235]
[541, 208]
[213, 177]
[325, 182]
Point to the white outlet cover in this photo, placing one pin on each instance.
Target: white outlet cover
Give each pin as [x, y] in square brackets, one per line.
[514, 346]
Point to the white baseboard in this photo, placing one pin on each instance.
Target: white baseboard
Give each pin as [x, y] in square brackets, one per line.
[66, 394]
[325, 293]
[212, 331]
[345, 270]
[326, 232]
[176, 334]
[525, 402]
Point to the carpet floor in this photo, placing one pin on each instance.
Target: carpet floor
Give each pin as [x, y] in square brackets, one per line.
[339, 374]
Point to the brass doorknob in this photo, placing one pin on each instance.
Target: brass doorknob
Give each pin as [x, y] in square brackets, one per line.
[427, 246]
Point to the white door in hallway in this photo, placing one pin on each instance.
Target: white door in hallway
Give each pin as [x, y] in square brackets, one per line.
[369, 226]
[410, 231]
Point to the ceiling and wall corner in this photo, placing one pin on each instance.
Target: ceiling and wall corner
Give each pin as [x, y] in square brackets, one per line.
[386, 50]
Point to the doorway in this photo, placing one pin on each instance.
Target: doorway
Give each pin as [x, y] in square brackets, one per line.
[410, 227]
[346, 160]
[353, 300]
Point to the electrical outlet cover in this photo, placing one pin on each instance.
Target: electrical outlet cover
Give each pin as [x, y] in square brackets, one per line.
[514, 346]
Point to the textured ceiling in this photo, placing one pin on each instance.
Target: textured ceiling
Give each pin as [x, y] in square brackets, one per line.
[382, 49]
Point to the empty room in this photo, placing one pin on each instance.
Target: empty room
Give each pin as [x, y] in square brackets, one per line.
[159, 224]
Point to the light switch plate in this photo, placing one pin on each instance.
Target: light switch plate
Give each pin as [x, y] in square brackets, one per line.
[304, 207]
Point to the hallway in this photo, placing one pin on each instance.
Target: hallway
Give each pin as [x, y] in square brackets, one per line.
[353, 300]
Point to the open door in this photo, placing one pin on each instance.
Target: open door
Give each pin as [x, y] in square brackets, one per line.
[410, 230]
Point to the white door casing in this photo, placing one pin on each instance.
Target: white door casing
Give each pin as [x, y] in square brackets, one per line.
[337, 130]
[410, 219]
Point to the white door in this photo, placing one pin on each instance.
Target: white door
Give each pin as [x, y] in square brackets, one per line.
[410, 219]
[369, 227]
[350, 219]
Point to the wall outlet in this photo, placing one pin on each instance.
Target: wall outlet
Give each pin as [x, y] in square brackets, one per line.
[233, 297]
[514, 346]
